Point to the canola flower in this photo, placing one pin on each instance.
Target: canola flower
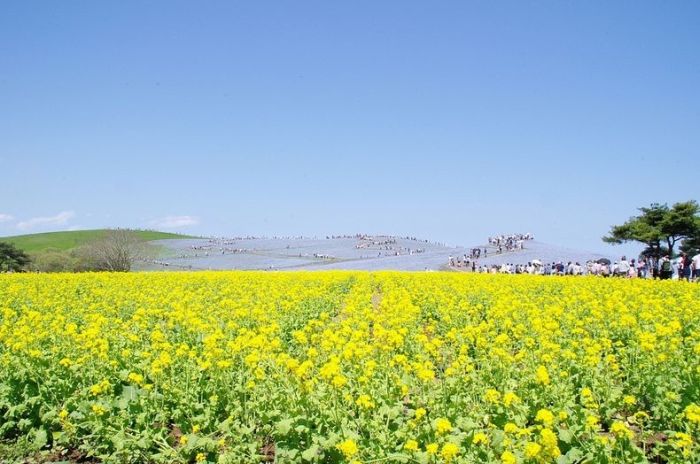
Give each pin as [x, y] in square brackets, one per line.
[348, 448]
[349, 367]
[442, 426]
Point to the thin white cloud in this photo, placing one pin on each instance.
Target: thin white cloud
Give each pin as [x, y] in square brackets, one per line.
[173, 222]
[60, 219]
[6, 217]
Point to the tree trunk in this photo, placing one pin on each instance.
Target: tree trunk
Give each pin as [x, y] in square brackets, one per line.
[670, 247]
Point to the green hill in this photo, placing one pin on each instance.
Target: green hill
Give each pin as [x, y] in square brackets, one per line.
[67, 240]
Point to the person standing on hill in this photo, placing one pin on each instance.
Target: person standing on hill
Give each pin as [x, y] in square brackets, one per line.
[642, 269]
[665, 268]
[695, 264]
[623, 267]
[684, 272]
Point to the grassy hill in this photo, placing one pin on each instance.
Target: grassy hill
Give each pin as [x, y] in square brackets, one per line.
[66, 240]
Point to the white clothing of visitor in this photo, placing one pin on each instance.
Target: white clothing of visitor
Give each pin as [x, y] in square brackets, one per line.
[695, 265]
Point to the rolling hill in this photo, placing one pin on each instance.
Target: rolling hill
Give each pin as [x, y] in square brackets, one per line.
[66, 240]
[349, 253]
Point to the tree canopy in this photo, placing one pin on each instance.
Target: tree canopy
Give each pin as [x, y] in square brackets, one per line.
[12, 259]
[659, 227]
[116, 251]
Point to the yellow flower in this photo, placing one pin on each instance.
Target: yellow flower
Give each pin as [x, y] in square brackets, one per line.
[348, 448]
[135, 378]
[508, 458]
[510, 428]
[449, 451]
[620, 430]
[550, 443]
[545, 416]
[532, 449]
[100, 388]
[510, 398]
[365, 401]
[492, 396]
[411, 445]
[339, 381]
[592, 423]
[425, 374]
[682, 440]
[442, 425]
[99, 410]
[480, 438]
[350, 342]
[201, 457]
[692, 413]
[542, 375]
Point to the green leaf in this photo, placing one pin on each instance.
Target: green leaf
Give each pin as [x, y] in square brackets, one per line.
[566, 436]
[287, 455]
[284, 426]
[573, 456]
[130, 393]
[311, 453]
[41, 438]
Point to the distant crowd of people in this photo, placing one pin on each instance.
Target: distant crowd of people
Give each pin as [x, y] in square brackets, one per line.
[374, 237]
[387, 245]
[510, 242]
[683, 268]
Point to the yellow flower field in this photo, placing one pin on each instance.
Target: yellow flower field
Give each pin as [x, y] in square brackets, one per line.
[247, 367]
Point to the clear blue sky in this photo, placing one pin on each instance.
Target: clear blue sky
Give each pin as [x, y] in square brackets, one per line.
[445, 120]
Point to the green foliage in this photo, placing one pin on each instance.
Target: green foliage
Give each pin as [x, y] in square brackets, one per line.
[52, 260]
[691, 245]
[12, 259]
[659, 227]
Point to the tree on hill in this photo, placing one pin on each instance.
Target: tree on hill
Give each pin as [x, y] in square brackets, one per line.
[115, 252]
[53, 260]
[12, 259]
[659, 227]
[691, 245]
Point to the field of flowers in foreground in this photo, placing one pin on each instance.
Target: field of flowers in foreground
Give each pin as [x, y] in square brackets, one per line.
[337, 367]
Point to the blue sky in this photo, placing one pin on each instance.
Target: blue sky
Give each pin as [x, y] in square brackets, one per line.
[445, 120]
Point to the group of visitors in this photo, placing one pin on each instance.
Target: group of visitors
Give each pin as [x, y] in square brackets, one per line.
[464, 260]
[387, 245]
[510, 242]
[684, 268]
[474, 253]
[533, 267]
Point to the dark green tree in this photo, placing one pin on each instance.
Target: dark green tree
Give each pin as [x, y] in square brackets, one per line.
[691, 245]
[12, 259]
[659, 227]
